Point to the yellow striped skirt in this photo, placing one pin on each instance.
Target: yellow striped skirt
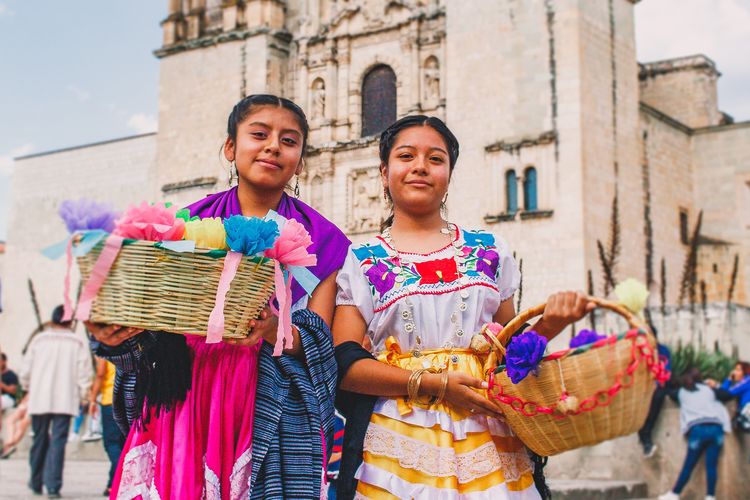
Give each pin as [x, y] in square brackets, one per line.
[413, 451]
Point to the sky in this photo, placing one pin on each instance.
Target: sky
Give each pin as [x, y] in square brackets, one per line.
[83, 71]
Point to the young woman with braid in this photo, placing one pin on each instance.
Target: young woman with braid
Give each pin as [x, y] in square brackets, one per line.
[229, 420]
[420, 291]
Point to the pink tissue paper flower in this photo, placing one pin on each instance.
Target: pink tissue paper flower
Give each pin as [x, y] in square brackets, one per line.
[155, 222]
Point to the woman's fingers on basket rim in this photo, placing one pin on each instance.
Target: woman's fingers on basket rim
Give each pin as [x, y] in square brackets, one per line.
[481, 404]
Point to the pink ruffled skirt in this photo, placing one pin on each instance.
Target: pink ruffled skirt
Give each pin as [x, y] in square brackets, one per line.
[202, 448]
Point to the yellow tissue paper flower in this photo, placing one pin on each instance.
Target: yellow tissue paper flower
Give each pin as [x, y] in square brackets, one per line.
[633, 295]
[207, 233]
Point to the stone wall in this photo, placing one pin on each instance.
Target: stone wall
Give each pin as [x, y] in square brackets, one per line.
[684, 88]
[116, 172]
[722, 190]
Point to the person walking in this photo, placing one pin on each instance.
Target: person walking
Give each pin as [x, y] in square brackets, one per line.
[57, 372]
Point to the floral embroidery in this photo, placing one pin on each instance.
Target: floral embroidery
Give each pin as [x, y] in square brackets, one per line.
[476, 238]
[487, 262]
[368, 251]
[381, 276]
[480, 256]
[437, 271]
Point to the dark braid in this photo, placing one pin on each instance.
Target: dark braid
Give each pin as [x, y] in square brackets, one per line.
[539, 480]
[164, 376]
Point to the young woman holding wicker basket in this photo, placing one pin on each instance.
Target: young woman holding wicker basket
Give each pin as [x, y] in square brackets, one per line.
[213, 420]
[420, 291]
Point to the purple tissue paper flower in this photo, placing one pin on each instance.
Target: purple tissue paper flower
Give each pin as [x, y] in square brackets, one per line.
[83, 215]
[585, 337]
[523, 355]
[381, 277]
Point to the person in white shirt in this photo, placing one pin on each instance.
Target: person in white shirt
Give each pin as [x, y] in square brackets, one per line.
[57, 371]
[703, 420]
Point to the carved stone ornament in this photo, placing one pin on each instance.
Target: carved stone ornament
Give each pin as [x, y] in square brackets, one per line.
[365, 200]
[318, 99]
[431, 80]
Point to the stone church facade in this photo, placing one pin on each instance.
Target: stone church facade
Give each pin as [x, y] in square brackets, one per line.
[592, 166]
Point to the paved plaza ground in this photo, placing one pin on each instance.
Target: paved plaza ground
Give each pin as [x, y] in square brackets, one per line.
[82, 479]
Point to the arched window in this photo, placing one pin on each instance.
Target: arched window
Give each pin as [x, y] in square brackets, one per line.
[529, 190]
[511, 192]
[378, 100]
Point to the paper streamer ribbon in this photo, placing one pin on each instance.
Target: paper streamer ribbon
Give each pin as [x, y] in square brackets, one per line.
[87, 240]
[67, 305]
[216, 318]
[182, 246]
[290, 256]
[98, 276]
[283, 284]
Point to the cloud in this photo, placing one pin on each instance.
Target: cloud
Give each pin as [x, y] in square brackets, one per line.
[143, 123]
[79, 93]
[716, 28]
[6, 159]
[5, 11]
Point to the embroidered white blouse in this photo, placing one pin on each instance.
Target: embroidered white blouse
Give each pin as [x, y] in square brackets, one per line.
[433, 284]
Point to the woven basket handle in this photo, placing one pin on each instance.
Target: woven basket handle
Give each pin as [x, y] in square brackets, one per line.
[507, 332]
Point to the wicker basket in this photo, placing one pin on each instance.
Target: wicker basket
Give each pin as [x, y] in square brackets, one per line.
[581, 396]
[157, 289]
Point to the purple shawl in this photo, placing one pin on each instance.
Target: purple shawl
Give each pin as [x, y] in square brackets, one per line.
[330, 245]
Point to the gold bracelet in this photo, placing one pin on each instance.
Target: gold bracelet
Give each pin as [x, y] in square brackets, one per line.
[443, 387]
[412, 386]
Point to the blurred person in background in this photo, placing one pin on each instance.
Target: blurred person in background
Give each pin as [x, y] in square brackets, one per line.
[8, 383]
[703, 420]
[57, 373]
[112, 438]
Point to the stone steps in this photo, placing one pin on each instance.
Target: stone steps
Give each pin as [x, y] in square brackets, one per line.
[597, 489]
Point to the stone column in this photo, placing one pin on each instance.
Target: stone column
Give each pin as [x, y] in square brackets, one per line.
[303, 85]
[331, 111]
[411, 43]
[230, 14]
[172, 27]
[195, 19]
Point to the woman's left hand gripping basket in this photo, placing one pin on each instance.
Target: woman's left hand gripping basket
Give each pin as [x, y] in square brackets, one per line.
[154, 267]
[598, 389]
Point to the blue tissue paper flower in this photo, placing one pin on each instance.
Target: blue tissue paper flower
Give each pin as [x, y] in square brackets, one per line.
[250, 235]
[585, 337]
[523, 355]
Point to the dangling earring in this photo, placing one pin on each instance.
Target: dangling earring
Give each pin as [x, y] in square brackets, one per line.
[233, 173]
[385, 194]
[296, 188]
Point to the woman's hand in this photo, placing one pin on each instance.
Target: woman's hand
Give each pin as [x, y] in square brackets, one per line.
[563, 309]
[111, 335]
[264, 327]
[461, 394]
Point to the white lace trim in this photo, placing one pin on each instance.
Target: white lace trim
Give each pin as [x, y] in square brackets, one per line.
[211, 483]
[430, 418]
[239, 481]
[369, 474]
[137, 476]
[445, 462]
